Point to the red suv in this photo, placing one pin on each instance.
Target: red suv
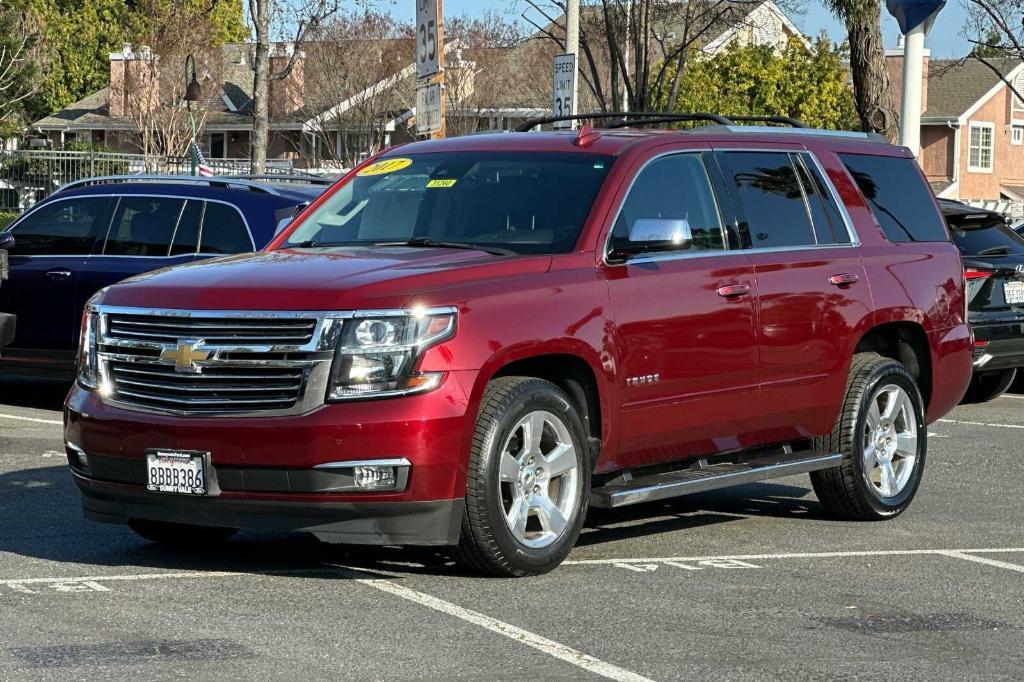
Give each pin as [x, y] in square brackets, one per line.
[469, 342]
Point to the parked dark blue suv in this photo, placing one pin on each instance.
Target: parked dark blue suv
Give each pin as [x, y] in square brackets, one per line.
[98, 231]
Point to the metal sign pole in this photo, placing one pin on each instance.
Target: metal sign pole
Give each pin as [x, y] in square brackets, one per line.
[915, 18]
[430, 90]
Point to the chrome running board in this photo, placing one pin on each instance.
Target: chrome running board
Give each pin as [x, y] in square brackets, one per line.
[700, 478]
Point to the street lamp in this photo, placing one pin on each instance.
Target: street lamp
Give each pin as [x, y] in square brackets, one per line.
[915, 18]
[193, 92]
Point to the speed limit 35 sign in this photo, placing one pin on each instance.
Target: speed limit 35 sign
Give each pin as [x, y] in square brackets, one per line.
[562, 88]
[428, 49]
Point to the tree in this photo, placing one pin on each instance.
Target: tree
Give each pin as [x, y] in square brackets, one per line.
[634, 52]
[804, 83]
[990, 46]
[306, 17]
[72, 39]
[867, 64]
[354, 84]
[155, 79]
[16, 73]
[996, 29]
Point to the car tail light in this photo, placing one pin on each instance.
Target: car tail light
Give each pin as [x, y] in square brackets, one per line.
[974, 281]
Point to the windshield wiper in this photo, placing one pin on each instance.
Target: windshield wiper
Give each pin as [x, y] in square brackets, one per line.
[995, 251]
[314, 244]
[424, 242]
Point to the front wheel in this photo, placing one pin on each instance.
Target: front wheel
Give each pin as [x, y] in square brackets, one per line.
[882, 435]
[528, 480]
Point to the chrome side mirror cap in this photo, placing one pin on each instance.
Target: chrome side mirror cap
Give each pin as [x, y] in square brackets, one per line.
[651, 235]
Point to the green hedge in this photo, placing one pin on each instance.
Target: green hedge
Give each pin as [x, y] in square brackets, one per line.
[6, 217]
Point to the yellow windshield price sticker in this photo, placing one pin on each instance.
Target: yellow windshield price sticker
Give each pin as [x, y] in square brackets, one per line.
[441, 183]
[386, 166]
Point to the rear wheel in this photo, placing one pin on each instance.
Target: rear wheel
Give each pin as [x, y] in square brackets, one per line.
[180, 534]
[882, 434]
[986, 386]
[528, 480]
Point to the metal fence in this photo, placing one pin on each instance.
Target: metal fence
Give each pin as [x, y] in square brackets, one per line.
[27, 176]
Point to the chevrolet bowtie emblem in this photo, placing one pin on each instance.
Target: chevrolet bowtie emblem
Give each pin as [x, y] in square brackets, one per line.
[185, 356]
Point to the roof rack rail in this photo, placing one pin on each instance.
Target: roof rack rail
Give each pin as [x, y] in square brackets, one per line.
[641, 116]
[781, 120]
[301, 178]
[214, 181]
[631, 118]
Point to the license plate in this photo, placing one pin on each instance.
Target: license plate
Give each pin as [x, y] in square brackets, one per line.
[174, 471]
[1014, 292]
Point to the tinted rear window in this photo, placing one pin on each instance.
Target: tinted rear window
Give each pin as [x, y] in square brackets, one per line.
[994, 240]
[771, 198]
[898, 196]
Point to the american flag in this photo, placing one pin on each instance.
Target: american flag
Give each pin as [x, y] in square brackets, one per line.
[202, 167]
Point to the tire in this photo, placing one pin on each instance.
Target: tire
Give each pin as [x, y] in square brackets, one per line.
[180, 535]
[507, 467]
[850, 490]
[986, 386]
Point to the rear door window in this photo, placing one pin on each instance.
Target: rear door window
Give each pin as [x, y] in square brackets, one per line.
[62, 228]
[224, 231]
[829, 226]
[143, 226]
[673, 187]
[898, 196]
[771, 199]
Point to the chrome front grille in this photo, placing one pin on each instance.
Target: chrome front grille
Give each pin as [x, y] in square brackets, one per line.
[295, 331]
[214, 363]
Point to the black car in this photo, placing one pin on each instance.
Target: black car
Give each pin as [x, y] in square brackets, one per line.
[7, 320]
[994, 266]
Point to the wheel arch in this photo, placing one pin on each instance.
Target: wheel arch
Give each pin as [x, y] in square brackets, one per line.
[907, 343]
[574, 370]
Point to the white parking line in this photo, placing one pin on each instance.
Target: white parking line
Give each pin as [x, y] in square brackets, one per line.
[967, 423]
[32, 419]
[985, 560]
[1015, 397]
[552, 648]
[793, 555]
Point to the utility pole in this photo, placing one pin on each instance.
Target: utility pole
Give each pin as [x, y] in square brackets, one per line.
[915, 18]
[572, 46]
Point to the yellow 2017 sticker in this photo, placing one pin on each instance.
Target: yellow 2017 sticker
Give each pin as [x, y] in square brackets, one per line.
[385, 166]
[442, 183]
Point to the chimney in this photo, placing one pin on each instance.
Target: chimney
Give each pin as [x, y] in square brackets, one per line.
[133, 81]
[894, 66]
[286, 95]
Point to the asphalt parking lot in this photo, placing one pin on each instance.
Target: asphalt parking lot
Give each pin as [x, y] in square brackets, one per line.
[749, 583]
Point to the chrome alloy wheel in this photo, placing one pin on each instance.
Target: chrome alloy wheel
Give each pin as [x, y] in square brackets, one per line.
[890, 441]
[539, 479]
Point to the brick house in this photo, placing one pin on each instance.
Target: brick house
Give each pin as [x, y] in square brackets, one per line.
[972, 129]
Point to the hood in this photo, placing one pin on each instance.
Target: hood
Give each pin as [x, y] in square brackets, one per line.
[317, 279]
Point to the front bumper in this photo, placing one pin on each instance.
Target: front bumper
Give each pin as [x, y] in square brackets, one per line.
[382, 523]
[265, 472]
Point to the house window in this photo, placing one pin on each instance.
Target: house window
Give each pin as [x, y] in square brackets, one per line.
[1017, 133]
[979, 152]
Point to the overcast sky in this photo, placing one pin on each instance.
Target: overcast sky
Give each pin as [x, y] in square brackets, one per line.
[944, 41]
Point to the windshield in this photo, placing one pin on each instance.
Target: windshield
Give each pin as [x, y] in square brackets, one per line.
[519, 202]
[993, 240]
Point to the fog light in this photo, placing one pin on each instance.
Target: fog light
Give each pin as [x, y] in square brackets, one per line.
[375, 477]
[77, 455]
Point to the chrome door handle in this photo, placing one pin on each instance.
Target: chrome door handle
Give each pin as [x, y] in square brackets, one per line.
[733, 290]
[59, 274]
[843, 280]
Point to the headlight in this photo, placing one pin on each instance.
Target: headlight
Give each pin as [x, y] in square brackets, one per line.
[88, 360]
[378, 351]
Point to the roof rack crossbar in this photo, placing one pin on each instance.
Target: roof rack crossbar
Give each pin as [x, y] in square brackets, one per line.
[213, 181]
[646, 116]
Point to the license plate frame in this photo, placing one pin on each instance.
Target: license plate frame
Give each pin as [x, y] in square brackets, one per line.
[167, 472]
[1014, 293]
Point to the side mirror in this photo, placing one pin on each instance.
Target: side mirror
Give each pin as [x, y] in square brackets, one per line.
[651, 235]
[6, 240]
